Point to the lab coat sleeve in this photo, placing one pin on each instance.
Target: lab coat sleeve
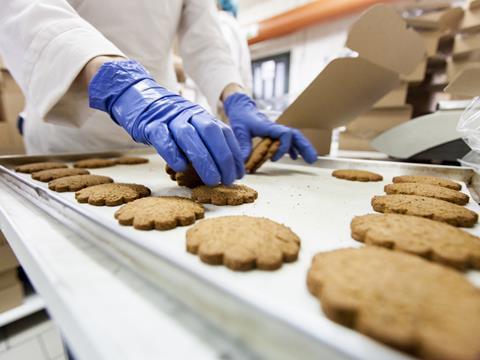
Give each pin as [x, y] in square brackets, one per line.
[45, 44]
[205, 53]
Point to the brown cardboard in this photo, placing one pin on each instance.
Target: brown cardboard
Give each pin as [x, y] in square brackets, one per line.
[456, 66]
[375, 122]
[474, 4]
[466, 82]
[428, 5]
[471, 21]
[347, 141]
[431, 39]
[3, 240]
[321, 139]
[11, 104]
[465, 45]
[417, 75]
[11, 297]
[438, 20]
[8, 260]
[348, 87]
[395, 98]
[8, 278]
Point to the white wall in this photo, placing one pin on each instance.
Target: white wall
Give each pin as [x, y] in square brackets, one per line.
[311, 49]
[251, 11]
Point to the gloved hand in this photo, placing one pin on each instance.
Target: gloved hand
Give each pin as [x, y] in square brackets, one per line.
[179, 130]
[247, 122]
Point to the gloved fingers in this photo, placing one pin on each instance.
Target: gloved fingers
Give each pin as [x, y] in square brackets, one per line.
[293, 153]
[195, 150]
[161, 139]
[285, 145]
[211, 133]
[236, 151]
[244, 140]
[304, 146]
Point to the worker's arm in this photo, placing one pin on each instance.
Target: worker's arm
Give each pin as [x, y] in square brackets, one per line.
[45, 45]
[208, 61]
[50, 51]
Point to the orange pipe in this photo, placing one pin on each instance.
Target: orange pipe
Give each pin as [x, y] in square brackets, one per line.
[306, 15]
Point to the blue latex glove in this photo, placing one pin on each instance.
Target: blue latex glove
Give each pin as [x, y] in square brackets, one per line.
[247, 122]
[179, 130]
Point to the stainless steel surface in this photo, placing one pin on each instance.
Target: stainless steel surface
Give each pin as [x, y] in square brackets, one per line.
[272, 313]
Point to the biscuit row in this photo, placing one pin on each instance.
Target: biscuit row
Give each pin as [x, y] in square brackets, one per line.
[402, 300]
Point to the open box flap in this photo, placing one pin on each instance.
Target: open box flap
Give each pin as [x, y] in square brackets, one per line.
[474, 4]
[471, 21]
[466, 44]
[467, 82]
[348, 87]
[445, 19]
[374, 122]
[394, 99]
[428, 5]
[381, 36]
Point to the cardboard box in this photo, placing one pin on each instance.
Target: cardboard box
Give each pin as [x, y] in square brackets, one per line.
[455, 67]
[11, 104]
[375, 122]
[428, 5]
[474, 4]
[418, 73]
[347, 141]
[435, 40]
[471, 20]
[448, 19]
[8, 278]
[348, 87]
[321, 139]
[11, 297]
[8, 260]
[3, 240]
[466, 82]
[465, 45]
[395, 98]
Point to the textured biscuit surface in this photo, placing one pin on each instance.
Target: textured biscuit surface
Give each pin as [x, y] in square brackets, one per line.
[39, 166]
[429, 208]
[399, 299]
[188, 178]
[94, 163]
[224, 195]
[356, 175]
[111, 194]
[77, 182]
[160, 213]
[243, 242]
[261, 153]
[432, 180]
[433, 191]
[48, 175]
[130, 160]
[430, 239]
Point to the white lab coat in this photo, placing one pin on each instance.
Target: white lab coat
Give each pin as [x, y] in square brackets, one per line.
[46, 43]
[238, 45]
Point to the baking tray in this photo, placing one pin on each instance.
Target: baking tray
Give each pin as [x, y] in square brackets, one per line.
[271, 313]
